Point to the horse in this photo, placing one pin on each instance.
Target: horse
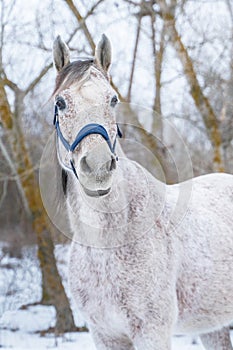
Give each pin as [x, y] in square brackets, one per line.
[136, 275]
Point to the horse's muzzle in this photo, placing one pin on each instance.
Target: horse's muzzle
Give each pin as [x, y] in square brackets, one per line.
[90, 166]
[95, 170]
[98, 163]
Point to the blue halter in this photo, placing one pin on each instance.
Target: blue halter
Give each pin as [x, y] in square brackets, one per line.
[85, 131]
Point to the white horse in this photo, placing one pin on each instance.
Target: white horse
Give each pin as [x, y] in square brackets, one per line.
[137, 276]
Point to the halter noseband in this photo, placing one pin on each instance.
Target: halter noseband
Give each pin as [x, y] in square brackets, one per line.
[85, 131]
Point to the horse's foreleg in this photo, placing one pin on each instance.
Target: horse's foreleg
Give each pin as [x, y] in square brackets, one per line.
[154, 331]
[153, 342]
[150, 344]
[218, 340]
[153, 337]
[105, 342]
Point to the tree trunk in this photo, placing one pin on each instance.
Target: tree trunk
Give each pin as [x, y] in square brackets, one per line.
[53, 291]
[134, 58]
[201, 101]
[157, 124]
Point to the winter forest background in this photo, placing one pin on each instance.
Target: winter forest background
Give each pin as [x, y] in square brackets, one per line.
[173, 57]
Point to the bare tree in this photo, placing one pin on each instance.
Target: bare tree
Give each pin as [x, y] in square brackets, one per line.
[201, 101]
[22, 167]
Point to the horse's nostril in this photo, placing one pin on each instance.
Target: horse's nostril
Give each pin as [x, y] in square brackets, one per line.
[112, 164]
[84, 165]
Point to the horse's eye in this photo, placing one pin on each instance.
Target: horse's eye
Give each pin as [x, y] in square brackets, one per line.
[60, 103]
[114, 101]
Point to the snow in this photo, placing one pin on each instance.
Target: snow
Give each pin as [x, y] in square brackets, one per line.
[19, 331]
[20, 327]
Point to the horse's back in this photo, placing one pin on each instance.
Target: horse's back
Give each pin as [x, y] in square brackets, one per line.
[204, 286]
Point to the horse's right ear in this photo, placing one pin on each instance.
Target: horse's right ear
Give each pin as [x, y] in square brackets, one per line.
[61, 53]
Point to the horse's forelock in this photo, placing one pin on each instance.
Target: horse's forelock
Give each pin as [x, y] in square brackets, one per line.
[74, 72]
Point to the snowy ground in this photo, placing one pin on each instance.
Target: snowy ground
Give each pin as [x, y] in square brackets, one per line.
[19, 329]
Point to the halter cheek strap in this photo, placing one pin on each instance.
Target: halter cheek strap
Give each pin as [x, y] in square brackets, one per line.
[84, 132]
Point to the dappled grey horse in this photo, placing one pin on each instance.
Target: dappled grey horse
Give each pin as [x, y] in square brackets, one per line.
[136, 273]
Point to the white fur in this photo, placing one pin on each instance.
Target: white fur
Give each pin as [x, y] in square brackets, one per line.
[145, 264]
[163, 282]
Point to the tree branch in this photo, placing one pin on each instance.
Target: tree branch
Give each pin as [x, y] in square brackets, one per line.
[17, 180]
[4, 191]
[92, 9]
[10, 83]
[134, 58]
[201, 101]
[82, 24]
[158, 57]
[121, 97]
[81, 20]
[32, 85]
[158, 60]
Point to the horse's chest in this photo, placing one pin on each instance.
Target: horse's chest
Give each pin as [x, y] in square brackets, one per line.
[95, 286]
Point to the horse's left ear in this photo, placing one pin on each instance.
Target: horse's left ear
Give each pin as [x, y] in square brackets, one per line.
[103, 52]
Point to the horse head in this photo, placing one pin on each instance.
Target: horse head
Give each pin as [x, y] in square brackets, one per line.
[84, 117]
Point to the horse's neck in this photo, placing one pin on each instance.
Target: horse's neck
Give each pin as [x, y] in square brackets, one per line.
[123, 215]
